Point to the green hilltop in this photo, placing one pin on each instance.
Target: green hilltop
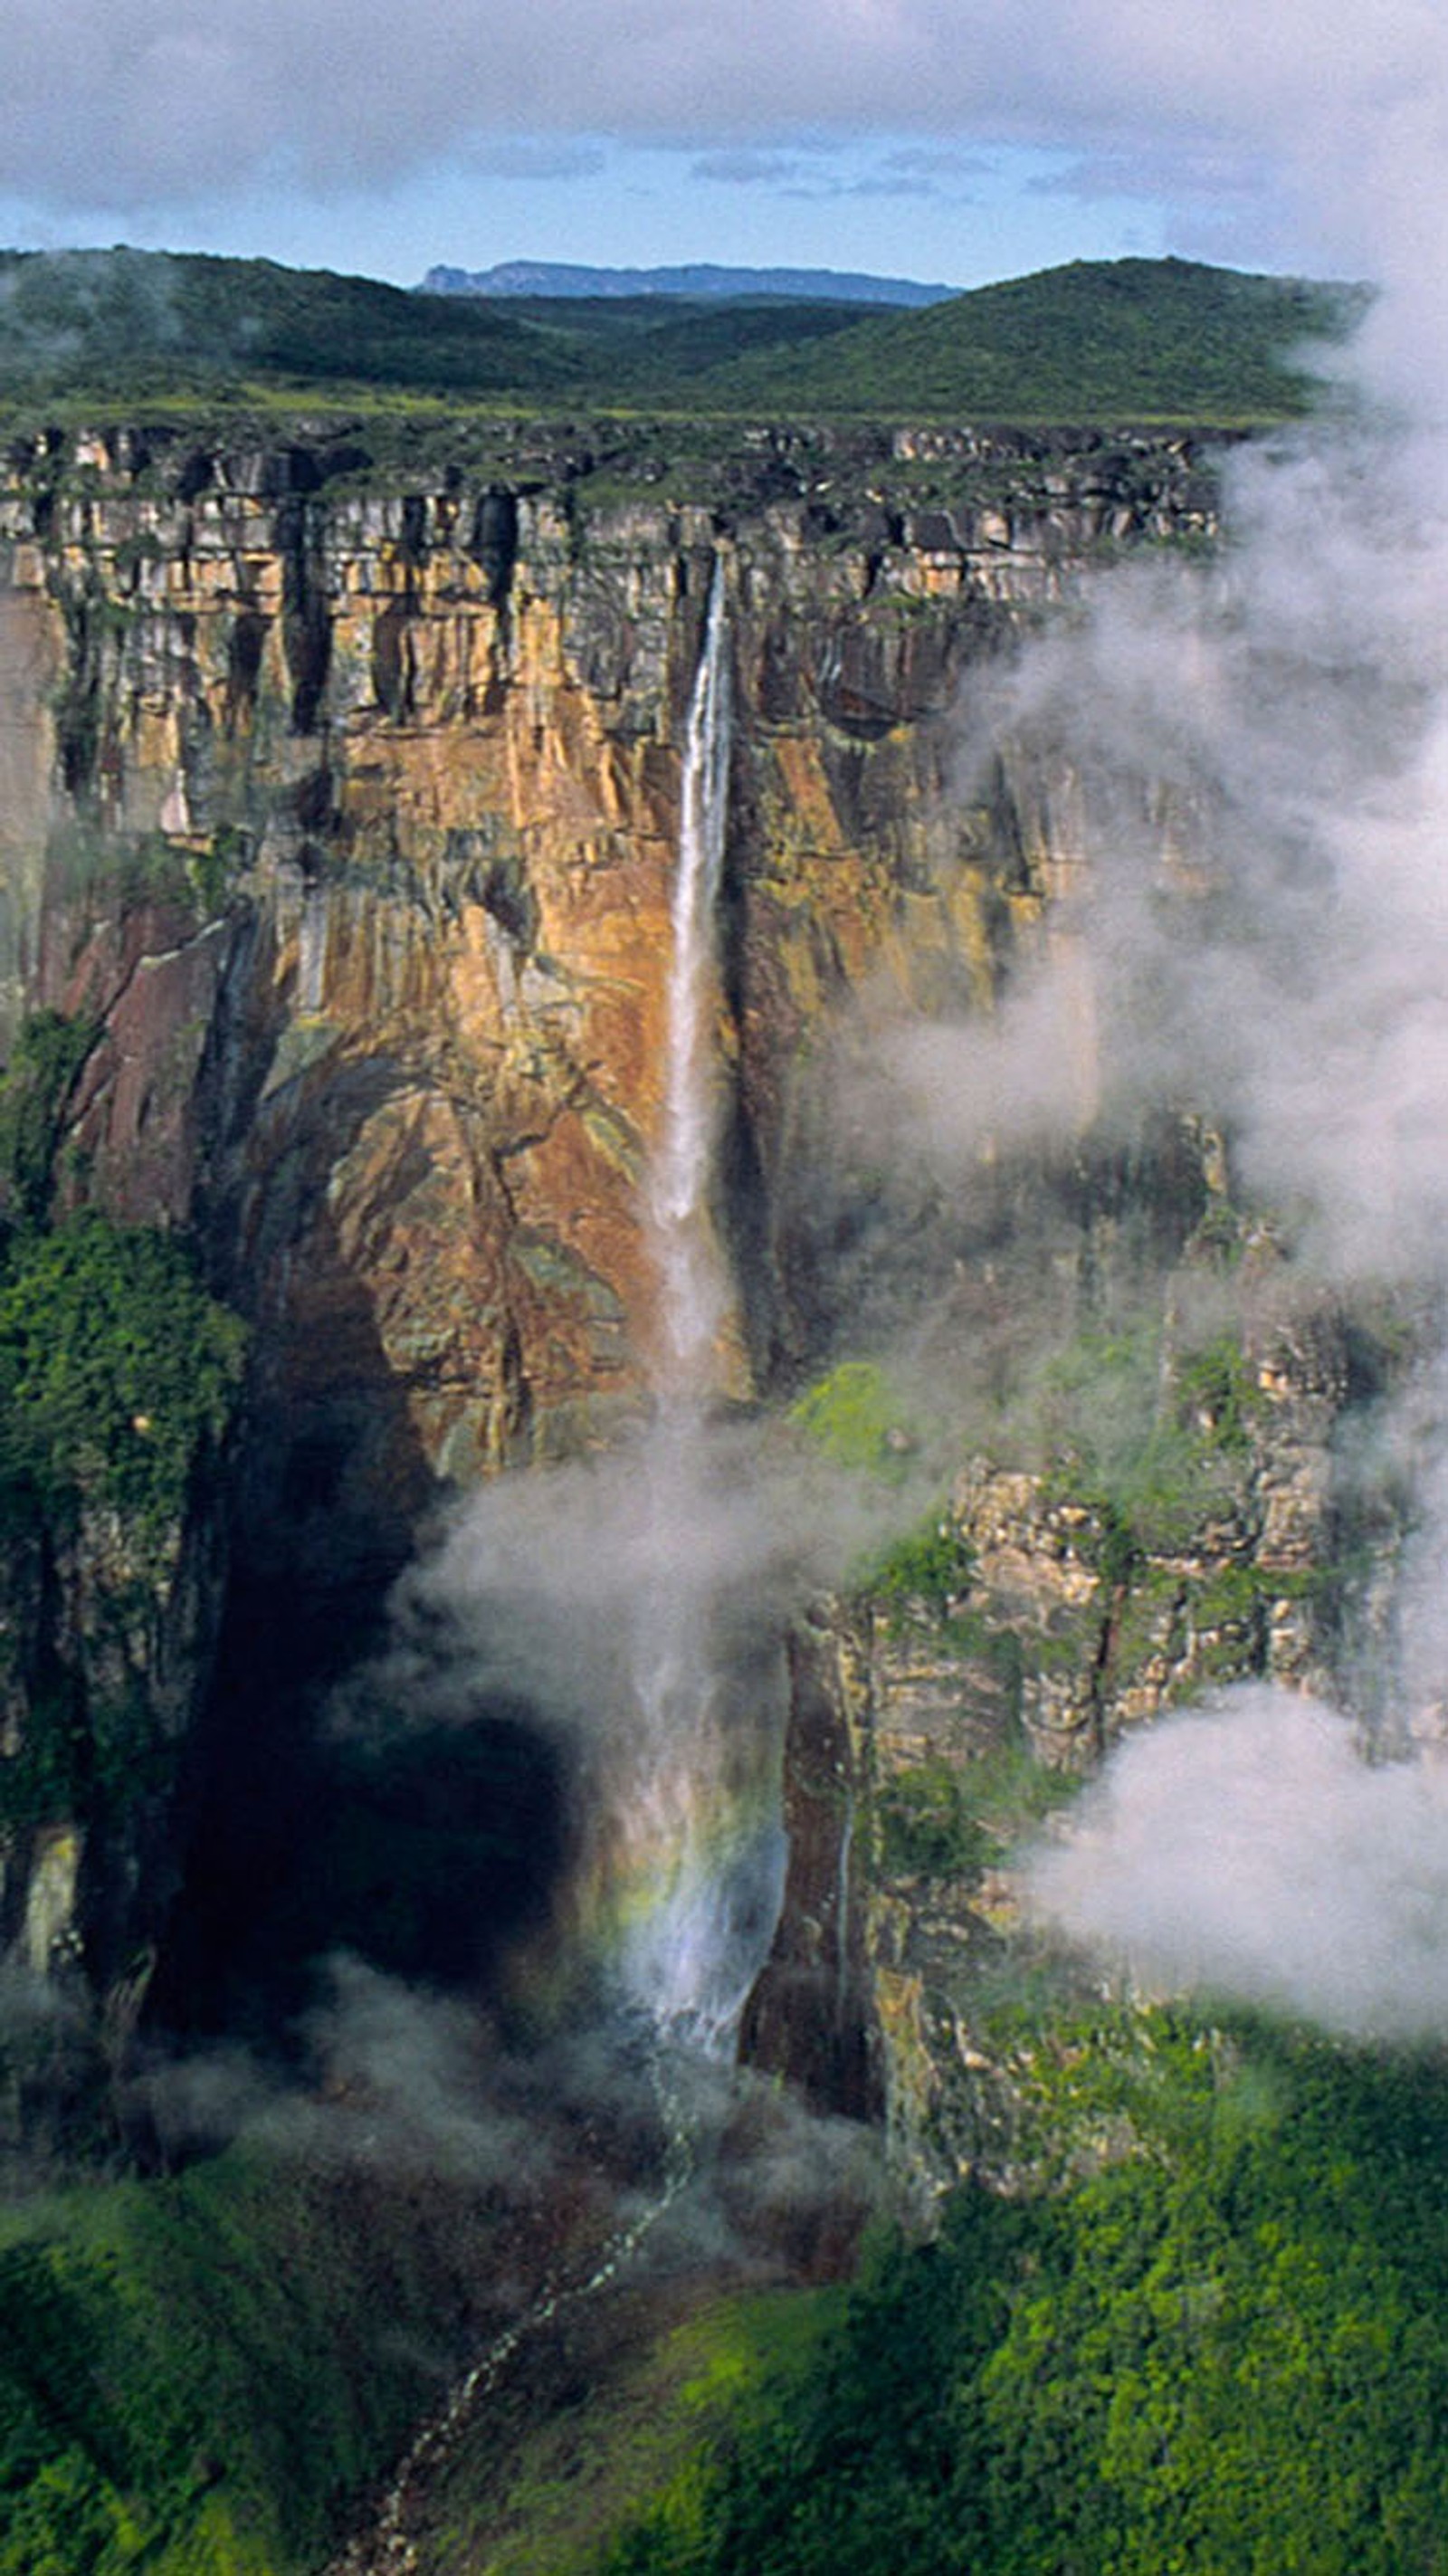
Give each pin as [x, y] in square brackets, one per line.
[1148, 339]
[1097, 341]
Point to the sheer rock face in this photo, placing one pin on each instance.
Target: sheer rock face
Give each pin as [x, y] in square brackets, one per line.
[107, 1636]
[351, 820]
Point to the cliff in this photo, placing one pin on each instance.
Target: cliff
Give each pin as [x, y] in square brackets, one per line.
[978, 1676]
[351, 817]
[346, 817]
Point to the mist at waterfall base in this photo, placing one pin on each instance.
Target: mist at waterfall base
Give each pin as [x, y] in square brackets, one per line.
[637, 1603]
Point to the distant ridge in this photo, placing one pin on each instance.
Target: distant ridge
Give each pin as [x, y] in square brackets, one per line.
[559, 277]
[1094, 342]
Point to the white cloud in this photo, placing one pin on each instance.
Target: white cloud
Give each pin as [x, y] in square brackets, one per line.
[177, 101]
[743, 168]
[1250, 1850]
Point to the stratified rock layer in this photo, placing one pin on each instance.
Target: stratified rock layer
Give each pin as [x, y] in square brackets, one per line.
[352, 817]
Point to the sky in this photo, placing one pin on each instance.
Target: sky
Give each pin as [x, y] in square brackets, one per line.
[954, 140]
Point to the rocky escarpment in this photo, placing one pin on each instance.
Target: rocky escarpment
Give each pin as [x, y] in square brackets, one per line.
[117, 1375]
[345, 817]
[978, 1675]
[106, 1643]
[351, 818]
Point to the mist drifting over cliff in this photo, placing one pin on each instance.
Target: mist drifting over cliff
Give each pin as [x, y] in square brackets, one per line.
[1261, 757]
[1248, 766]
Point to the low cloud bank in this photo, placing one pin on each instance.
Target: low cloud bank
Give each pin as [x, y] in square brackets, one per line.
[1250, 1849]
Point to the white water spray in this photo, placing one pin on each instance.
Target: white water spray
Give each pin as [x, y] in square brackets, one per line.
[694, 1297]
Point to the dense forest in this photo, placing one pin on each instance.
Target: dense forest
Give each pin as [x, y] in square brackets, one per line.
[1205, 2331]
[1212, 2338]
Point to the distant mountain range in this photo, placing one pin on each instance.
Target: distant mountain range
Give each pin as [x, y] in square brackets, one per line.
[561, 278]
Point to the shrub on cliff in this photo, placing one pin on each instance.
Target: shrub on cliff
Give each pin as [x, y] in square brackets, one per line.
[852, 1418]
[118, 1374]
[47, 1056]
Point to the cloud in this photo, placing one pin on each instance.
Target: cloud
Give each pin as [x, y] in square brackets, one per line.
[161, 103]
[391, 2076]
[1182, 171]
[537, 1585]
[942, 163]
[532, 159]
[636, 1608]
[813, 170]
[889, 183]
[1241, 772]
[748, 169]
[1249, 1849]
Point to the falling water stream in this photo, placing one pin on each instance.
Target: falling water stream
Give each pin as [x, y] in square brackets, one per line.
[693, 1291]
[712, 1864]
[708, 1848]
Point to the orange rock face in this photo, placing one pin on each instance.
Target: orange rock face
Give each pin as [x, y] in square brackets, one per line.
[351, 823]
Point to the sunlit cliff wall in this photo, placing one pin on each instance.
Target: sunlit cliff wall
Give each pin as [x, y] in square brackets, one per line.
[351, 817]
[347, 818]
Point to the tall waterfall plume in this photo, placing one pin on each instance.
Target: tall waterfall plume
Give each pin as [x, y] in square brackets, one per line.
[693, 1291]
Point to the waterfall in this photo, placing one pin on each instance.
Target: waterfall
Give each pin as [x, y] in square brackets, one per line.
[693, 1295]
[704, 1811]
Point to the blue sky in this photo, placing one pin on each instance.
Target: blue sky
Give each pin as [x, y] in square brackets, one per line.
[956, 212]
[951, 139]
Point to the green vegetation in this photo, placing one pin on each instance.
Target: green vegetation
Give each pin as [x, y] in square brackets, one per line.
[1096, 341]
[1217, 2343]
[194, 2373]
[118, 1376]
[34, 1089]
[122, 867]
[929, 1825]
[145, 326]
[851, 1417]
[653, 348]
[1207, 2331]
[116, 1368]
[536, 2500]
[152, 322]
[952, 1819]
[1216, 1392]
[197, 2374]
[927, 1573]
[1144, 1438]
